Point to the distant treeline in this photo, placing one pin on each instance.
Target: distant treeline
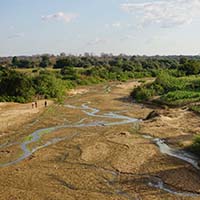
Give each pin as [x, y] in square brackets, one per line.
[24, 78]
[134, 66]
[88, 60]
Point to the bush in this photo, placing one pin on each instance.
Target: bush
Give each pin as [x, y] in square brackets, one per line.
[142, 94]
[172, 90]
[16, 86]
[169, 83]
[49, 86]
[177, 95]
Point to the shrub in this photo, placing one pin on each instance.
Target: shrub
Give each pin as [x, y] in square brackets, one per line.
[49, 86]
[177, 95]
[16, 86]
[142, 94]
[172, 90]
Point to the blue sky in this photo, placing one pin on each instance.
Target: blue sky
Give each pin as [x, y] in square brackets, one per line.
[111, 26]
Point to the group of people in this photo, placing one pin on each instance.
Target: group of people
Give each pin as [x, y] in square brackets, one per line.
[35, 105]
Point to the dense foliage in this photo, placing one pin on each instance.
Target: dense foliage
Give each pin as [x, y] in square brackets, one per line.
[170, 90]
[19, 87]
[30, 76]
[116, 67]
[15, 87]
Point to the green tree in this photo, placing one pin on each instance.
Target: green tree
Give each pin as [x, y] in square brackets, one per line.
[191, 67]
[48, 86]
[16, 86]
[25, 64]
[15, 61]
[69, 73]
[45, 62]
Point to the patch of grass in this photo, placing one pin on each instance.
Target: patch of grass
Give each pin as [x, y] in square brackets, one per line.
[177, 95]
[195, 108]
[180, 98]
[28, 138]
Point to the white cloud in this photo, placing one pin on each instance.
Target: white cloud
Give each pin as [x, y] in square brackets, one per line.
[167, 14]
[61, 16]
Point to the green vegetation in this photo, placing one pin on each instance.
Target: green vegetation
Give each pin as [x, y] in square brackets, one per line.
[15, 87]
[49, 86]
[19, 87]
[195, 108]
[25, 78]
[170, 90]
[181, 97]
[28, 138]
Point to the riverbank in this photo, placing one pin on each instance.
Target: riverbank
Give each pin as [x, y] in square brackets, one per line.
[14, 115]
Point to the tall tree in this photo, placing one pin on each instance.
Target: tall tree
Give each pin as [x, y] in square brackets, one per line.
[45, 62]
[15, 61]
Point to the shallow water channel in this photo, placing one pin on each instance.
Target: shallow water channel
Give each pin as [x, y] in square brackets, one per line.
[120, 119]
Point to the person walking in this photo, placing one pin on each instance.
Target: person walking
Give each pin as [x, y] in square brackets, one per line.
[35, 104]
[45, 103]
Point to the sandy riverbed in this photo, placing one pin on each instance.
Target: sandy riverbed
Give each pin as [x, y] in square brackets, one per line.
[100, 162]
[14, 115]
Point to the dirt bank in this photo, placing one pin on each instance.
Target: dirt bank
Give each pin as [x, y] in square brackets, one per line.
[14, 115]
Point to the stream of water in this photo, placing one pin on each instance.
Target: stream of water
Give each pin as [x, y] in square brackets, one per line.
[37, 135]
[121, 119]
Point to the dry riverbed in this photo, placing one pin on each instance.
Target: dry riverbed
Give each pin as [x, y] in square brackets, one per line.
[99, 162]
[14, 115]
